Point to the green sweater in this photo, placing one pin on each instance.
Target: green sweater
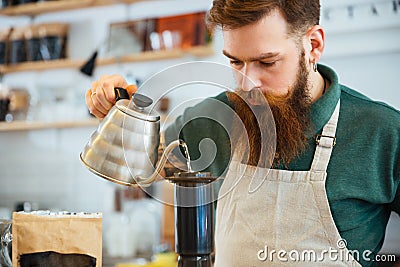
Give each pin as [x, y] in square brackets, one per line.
[364, 171]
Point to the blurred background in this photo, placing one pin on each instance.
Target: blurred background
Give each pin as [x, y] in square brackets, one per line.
[45, 124]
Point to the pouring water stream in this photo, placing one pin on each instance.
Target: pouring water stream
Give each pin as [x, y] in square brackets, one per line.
[187, 156]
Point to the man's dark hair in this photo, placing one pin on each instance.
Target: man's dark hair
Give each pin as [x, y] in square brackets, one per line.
[232, 14]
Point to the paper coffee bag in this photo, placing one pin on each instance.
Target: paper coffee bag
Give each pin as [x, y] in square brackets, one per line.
[62, 239]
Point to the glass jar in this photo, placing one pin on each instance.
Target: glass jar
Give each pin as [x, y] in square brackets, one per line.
[6, 242]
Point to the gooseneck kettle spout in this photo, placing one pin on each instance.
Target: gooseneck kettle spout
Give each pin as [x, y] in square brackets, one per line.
[124, 148]
[160, 165]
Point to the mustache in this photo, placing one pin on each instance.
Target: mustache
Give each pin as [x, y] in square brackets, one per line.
[257, 97]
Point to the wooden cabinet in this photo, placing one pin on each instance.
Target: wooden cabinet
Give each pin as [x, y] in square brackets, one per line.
[34, 10]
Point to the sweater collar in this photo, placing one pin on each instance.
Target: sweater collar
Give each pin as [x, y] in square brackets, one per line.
[322, 109]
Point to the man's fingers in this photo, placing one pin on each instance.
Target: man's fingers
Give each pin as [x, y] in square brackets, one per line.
[108, 83]
[91, 105]
[100, 99]
[109, 93]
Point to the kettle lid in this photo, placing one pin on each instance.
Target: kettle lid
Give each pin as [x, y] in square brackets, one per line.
[136, 109]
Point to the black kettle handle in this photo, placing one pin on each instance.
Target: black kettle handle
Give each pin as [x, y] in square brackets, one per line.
[140, 101]
[121, 93]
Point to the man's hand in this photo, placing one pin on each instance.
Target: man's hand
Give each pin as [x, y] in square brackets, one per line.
[100, 98]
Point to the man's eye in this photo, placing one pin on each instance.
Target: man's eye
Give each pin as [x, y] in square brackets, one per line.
[236, 62]
[268, 64]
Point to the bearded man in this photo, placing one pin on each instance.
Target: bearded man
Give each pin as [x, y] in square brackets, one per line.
[330, 181]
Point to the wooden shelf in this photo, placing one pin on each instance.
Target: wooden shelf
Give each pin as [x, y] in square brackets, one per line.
[27, 126]
[41, 65]
[37, 125]
[201, 51]
[33, 9]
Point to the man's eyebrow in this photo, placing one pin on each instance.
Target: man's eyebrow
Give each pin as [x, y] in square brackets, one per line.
[262, 56]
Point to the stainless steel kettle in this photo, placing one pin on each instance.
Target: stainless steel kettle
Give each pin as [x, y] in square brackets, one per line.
[124, 148]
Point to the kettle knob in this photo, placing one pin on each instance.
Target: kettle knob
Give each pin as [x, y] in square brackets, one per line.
[141, 101]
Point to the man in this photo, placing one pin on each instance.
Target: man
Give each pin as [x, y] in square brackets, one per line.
[335, 173]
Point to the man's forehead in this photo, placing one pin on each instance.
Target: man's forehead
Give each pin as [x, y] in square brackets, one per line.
[263, 40]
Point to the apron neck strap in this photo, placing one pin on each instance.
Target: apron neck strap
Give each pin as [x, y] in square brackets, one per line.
[325, 143]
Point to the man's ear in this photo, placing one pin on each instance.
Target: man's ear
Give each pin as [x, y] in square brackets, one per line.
[316, 42]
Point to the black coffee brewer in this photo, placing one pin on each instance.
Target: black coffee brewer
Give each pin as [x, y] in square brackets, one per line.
[194, 218]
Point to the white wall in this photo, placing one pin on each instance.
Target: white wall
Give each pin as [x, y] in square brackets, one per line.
[43, 167]
[364, 48]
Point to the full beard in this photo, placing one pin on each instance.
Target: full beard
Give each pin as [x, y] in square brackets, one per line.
[290, 114]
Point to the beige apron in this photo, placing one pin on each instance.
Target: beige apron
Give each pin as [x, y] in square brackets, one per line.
[270, 217]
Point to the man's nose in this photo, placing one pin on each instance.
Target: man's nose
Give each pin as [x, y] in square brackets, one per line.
[251, 78]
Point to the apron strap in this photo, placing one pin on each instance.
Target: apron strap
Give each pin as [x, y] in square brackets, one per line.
[325, 143]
